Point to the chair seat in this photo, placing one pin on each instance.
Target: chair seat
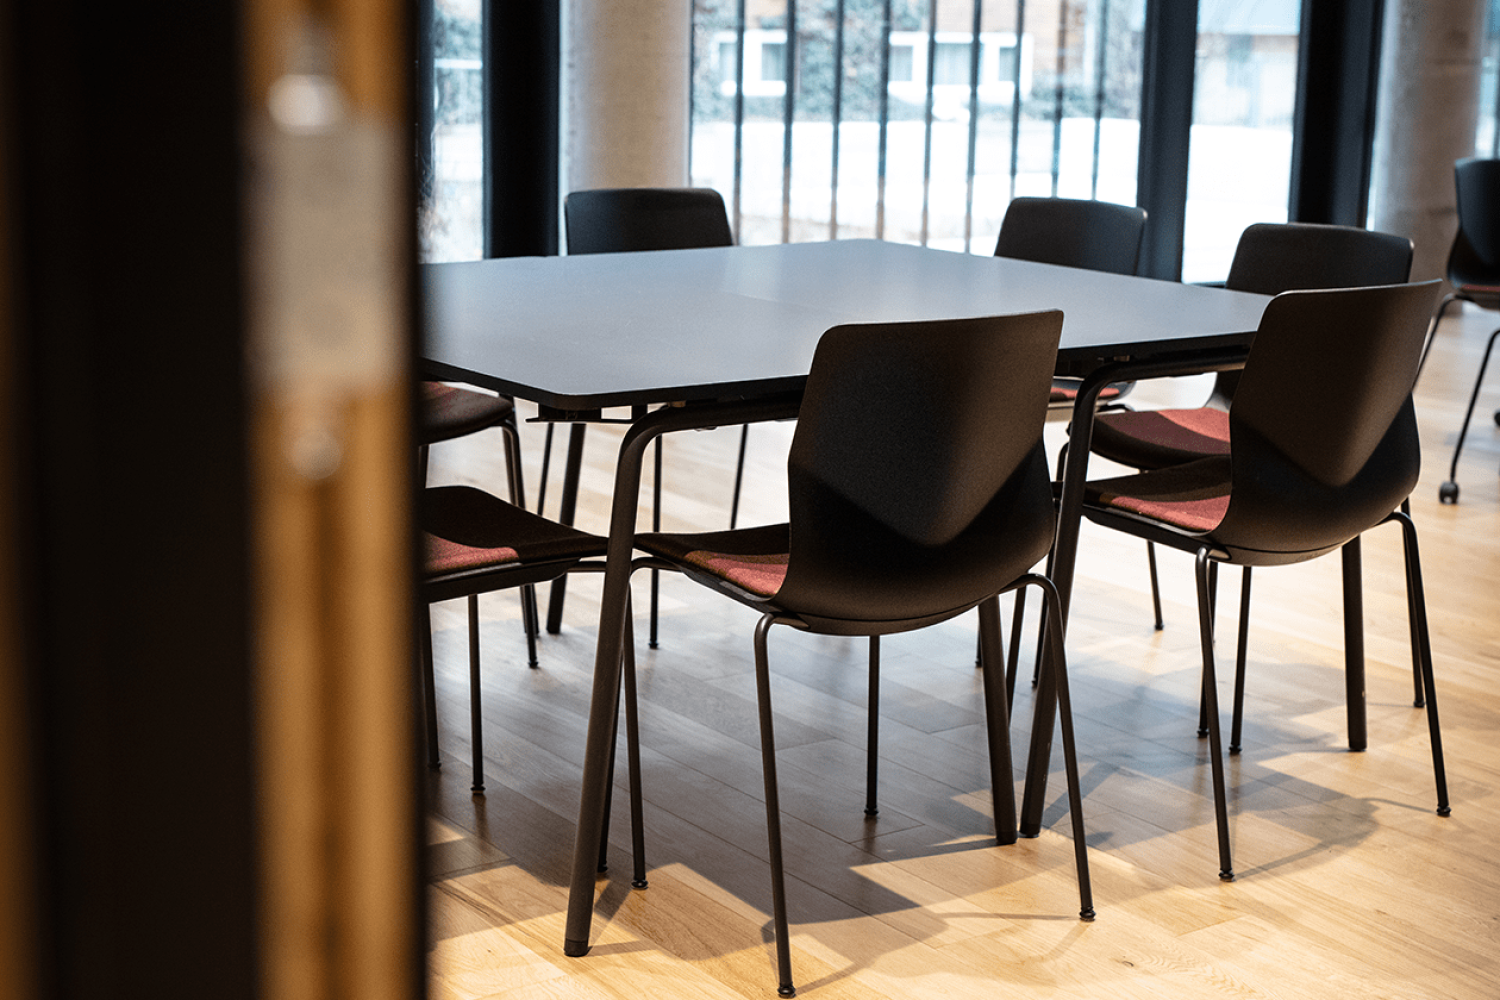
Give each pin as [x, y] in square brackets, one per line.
[1154, 439]
[450, 411]
[752, 559]
[1193, 497]
[467, 529]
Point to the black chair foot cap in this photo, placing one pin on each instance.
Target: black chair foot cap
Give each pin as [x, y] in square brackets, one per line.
[639, 883]
[786, 991]
[1444, 811]
[477, 789]
[1203, 734]
[872, 812]
[534, 665]
[1086, 915]
[1233, 749]
[433, 765]
[1419, 703]
[1227, 875]
[1448, 492]
[575, 949]
[1028, 836]
[653, 645]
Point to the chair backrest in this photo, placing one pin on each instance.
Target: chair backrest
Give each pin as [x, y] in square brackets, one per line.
[1475, 257]
[1097, 235]
[1323, 435]
[917, 481]
[613, 220]
[1276, 257]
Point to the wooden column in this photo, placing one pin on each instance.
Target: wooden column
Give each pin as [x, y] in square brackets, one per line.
[330, 221]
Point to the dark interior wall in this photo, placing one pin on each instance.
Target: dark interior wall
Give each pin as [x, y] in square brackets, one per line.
[135, 516]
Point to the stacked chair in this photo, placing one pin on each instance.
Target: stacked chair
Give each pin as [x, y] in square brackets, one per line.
[918, 489]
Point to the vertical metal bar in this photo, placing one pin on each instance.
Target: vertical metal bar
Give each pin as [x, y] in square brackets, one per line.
[838, 118]
[788, 114]
[884, 101]
[692, 67]
[1058, 91]
[1015, 102]
[1101, 72]
[739, 114]
[973, 125]
[932, 15]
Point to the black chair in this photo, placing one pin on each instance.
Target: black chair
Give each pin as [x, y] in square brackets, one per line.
[1323, 447]
[1270, 258]
[1474, 273]
[1071, 232]
[475, 543]
[619, 220]
[918, 490]
[450, 411]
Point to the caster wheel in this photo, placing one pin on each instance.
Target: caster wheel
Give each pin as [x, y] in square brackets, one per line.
[1448, 492]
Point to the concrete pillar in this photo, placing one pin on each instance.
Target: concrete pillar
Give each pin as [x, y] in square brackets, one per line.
[1428, 107]
[627, 93]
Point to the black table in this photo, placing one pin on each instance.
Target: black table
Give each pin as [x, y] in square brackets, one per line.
[727, 335]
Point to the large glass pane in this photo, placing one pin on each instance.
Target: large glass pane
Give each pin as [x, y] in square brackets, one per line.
[1244, 101]
[452, 219]
[923, 135]
[1487, 135]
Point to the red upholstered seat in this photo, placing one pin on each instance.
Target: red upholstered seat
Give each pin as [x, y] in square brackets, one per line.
[1193, 497]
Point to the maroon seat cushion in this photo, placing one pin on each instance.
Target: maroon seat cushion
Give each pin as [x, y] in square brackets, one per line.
[1068, 393]
[450, 411]
[752, 559]
[467, 529]
[1193, 497]
[1155, 439]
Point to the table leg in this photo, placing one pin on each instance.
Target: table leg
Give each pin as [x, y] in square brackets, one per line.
[566, 511]
[1064, 553]
[614, 606]
[1354, 644]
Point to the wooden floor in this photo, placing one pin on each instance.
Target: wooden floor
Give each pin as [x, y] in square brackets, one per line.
[1349, 885]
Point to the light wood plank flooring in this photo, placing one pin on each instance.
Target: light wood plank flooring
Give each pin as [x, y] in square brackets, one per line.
[1349, 886]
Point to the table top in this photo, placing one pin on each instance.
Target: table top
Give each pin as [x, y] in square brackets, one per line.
[603, 330]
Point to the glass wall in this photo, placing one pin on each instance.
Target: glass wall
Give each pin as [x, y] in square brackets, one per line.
[1244, 103]
[1487, 135]
[451, 225]
[911, 120]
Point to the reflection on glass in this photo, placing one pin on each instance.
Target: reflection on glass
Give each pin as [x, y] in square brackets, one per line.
[907, 128]
[1244, 100]
[1487, 135]
[451, 225]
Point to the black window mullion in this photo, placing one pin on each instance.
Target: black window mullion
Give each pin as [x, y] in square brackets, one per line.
[1338, 67]
[1166, 126]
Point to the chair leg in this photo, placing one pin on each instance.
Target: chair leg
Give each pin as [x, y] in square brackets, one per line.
[785, 987]
[1213, 607]
[429, 692]
[516, 482]
[1013, 658]
[1448, 492]
[655, 526]
[739, 477]
[1241, 649]
[1057, 666]
[997, 725]
[1418, 605]
[1155, 586]
[633, 756]
[475, 710]
[1419, 696]
[1210, 702]
[1432, 331]
[872, 737]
